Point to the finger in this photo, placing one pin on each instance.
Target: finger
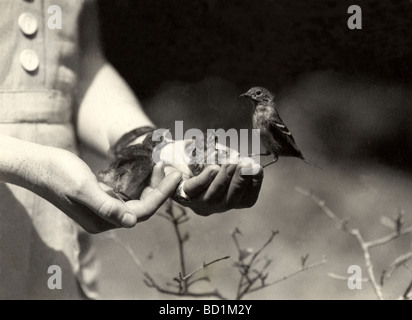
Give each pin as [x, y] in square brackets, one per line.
[174, 154]
[220, 183]
[87, 218]
[230, 156]
[251, 195]
[157, 175]
[152, 200]
[252, 170]
[238, 186]
[107, 207]
[105, 187]
[145, 192]
[196, 185]
[169, 169]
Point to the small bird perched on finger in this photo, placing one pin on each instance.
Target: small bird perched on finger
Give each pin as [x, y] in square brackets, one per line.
[275, 136]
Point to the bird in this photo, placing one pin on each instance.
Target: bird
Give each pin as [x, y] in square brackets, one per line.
[131, 167]
[275, 135]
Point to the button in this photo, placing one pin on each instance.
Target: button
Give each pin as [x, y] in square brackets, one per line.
[28, 24]
[29, 60]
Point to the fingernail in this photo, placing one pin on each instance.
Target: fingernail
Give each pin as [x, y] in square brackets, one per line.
[245, 162]
[248, 171]
[129, 220]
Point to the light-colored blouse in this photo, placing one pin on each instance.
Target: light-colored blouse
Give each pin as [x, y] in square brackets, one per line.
[38, 76]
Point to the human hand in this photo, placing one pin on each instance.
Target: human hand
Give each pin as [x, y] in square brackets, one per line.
[67, 182]
[217, 188]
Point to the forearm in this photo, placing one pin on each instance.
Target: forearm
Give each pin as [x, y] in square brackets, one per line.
[107, 107]
[108, 110]
[64, 180]
[18, 160]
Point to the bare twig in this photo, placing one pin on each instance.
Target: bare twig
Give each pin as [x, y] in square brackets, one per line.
[251, 266]
[113, 236]
[407, 294]
[284, 278]
[392, 236]
[151, 283]
[343, 225]
[246, 265]
[253, 277]
[257, 253]
[365, 245]
[165, 216]
[400, 261]
[184, 281]
[234, 233]
[180, 239]
[344, 278]
[205, 265]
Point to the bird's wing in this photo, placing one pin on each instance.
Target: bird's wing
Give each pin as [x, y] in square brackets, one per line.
[280, 132]
[278, 126]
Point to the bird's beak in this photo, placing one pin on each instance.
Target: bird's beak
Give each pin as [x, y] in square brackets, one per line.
[243, 95]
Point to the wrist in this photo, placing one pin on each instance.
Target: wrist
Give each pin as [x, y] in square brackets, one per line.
[139, 139]
[132, 137]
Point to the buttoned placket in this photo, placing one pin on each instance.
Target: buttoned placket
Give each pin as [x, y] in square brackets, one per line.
[28, 25]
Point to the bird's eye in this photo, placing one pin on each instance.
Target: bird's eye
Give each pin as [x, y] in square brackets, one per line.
[258, 93]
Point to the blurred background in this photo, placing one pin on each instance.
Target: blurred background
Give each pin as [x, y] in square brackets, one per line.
[345, 95]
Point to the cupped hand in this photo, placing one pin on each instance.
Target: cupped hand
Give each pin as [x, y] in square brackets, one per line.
[219, 189]
[67, 182]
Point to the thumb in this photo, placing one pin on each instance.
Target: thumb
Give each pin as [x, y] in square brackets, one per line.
[109, 208]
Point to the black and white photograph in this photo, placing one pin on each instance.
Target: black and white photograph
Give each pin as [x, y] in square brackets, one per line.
[216, 152]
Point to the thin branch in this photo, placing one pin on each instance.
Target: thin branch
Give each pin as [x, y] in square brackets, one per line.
[400, 261]
[149, 281]
[246, 282]
[392, 236]
[274, 233]
[343, 225]
[344, 278]
[234, 233]
[182, 220]
[113, 236]
[308, 267]
[165, 216]
[406, 295]
[180, 240]
[205, 265]
[340, 223]
[368, 264]
[183, 280]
